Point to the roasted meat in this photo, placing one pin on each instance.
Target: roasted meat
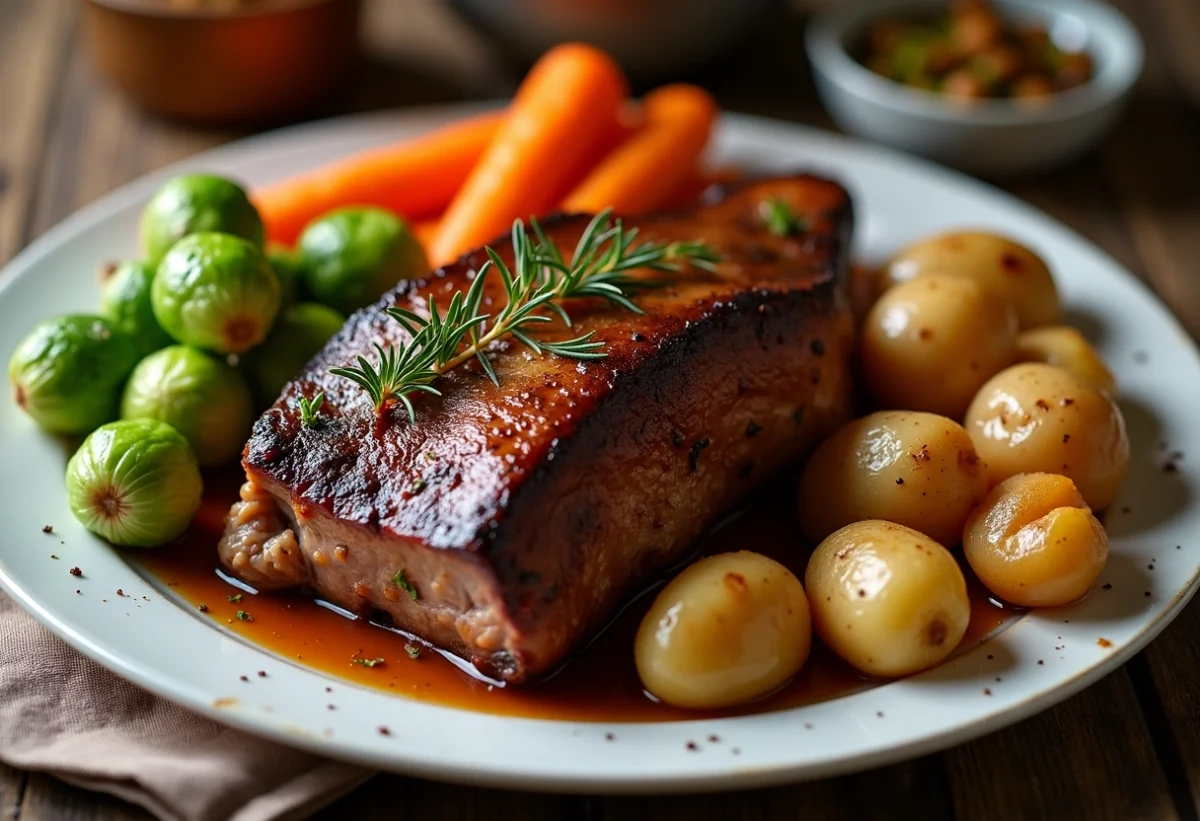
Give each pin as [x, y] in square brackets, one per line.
[506, 523]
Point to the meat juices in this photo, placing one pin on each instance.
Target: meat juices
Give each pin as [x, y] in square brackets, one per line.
[505, 524]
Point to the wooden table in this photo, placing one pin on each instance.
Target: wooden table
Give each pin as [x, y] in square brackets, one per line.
[1128, 747]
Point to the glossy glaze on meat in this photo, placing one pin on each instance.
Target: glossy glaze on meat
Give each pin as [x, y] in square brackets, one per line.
[523, 515]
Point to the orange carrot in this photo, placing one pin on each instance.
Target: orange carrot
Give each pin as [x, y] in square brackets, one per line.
[424, 230]
[416, 178]
[563, 114]
[643, 173]
[687, 194]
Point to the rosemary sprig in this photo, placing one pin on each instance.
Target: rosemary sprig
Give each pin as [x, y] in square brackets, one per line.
[309, 408]
[540, 279]
[780, 219]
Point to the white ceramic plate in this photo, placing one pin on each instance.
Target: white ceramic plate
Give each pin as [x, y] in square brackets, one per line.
[1042, 659]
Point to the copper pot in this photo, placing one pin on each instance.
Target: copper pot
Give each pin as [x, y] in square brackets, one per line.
[237, 61]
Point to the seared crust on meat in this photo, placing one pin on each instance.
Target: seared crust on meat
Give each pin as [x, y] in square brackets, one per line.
[522, 515]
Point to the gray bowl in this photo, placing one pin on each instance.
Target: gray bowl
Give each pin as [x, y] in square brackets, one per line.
[649, 38]
[995, 138]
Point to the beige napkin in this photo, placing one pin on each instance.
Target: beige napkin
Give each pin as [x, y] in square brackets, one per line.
[62, 714]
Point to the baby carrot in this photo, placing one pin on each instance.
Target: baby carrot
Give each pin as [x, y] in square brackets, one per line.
[643, 173]
[415, 178]
[424, 230]
[563, 114]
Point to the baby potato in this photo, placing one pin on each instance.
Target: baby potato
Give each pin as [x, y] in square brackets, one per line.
[917, 469]
[728, 629]
[887, 599]
[1065, 347]
[1036, 418]
[1034, 542]
[1015, 273]
[930, 343]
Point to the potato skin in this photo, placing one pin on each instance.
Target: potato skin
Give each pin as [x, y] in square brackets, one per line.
[917, 469]
[1034, 542]
[886, 598]
[728, 629]
[1009, 269]
[1036, 418]
[1065, 347]
[930, 343]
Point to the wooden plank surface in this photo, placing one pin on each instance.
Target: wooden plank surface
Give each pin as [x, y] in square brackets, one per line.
[34, 37]
[12, 787]
[1127, 747]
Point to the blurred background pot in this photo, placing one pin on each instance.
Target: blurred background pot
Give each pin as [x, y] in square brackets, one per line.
[226, 61]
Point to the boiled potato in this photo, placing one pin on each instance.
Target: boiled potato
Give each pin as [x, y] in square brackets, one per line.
[1036, 418]
[930, 343]
[728, 629]
[1034, 542]
[886, 598]
[1015, 273]
[917, 469]
[1065, 347]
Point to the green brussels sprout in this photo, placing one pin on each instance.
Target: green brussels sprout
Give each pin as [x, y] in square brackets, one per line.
[215, 291]
[135, 482]
[352, 256]
[200, 396]
[125, 301]
[286, 266]
[300, 331]
[67, 374]
[192, 203]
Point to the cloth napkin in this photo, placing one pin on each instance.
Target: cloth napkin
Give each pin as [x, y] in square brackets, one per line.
[62, 714]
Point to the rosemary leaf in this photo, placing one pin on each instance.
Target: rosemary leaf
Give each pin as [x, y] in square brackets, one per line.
[534, 286]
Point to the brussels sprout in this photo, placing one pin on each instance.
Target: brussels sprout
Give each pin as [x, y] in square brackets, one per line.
[125, 301]
[67, 374]
[286, 266]
[193, 203]
[352, 256]
[215, 291]
[300, 331]
[203, 398]
[135, 482]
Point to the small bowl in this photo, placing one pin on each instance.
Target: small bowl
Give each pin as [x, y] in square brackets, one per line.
[649, 38]
[994, 138]
[247, 63]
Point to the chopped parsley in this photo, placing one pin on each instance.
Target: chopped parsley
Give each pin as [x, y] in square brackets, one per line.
[780, 219]
[234, 599]
[417, 487]
[310, 409]
[401, 581]
[413, 652]
[366, 662]
[242, 615]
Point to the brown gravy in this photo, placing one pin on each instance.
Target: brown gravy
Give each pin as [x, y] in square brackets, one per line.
[600, 684]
